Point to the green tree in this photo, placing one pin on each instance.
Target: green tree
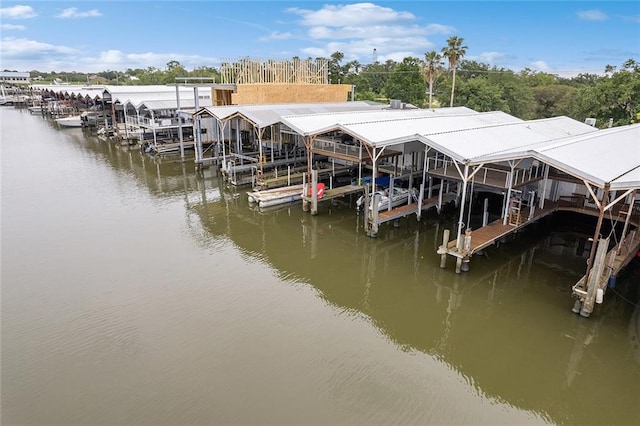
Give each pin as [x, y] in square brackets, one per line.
[406, 82]
[376, 76]
[454, 51]
[431, 69]
[538, 78]
[553, 100]
[481, 95]
[335, 68]
[515, 92]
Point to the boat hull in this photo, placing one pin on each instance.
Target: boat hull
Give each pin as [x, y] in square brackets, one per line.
[75, 121]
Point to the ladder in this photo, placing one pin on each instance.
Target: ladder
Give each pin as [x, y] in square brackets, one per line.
[515, 209]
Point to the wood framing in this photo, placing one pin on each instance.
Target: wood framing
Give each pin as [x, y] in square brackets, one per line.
[257, 70]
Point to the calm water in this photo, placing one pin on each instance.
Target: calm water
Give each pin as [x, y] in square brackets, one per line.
[135, 291]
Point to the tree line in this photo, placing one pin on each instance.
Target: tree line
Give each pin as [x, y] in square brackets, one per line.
[445, 78]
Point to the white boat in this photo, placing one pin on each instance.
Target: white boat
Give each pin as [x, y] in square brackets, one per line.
[276, 196]
[398, 197]
[92, 118]
[73, 121]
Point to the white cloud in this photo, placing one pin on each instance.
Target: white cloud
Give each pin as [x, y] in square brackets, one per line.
[73, 12]
[18, 12]
[541, 66]
[357, 29]
[24, 54]
[362, 49]
[357, 14]
[276, 35]
[439, 29]
[118, 60]
[12, 47]
[347, 32]
[11, 27]
[592, 15]
[490, 57]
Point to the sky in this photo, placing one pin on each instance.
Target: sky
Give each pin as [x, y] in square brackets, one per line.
[563, 38]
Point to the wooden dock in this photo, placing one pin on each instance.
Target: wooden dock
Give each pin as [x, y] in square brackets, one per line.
[276, 196]
[476, 240]
[338, 192]
[605, 267]
[408, 209]
[489, 234]
[295, 175]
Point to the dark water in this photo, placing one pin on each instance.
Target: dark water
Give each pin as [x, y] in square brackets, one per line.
[136, 291]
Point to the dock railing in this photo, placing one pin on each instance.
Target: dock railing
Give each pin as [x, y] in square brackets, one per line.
[337, 147]
[488, 175]
[156, 122]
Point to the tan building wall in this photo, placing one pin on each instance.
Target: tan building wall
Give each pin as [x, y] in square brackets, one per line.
[273, 93]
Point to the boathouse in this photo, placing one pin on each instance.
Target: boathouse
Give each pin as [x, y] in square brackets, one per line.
[538, 166]
[252, 144]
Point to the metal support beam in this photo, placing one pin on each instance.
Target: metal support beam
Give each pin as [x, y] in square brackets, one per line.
[596, 234]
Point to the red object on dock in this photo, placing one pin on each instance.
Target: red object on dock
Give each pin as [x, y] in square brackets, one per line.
[321, 188]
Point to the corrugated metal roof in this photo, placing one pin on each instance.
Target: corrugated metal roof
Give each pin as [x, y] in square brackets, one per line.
[314, 124]
[503, 141]
[163, 100]
[609, 156]
[169, 104]
[91, 91]
[137, 98]
[389, 132]
[268, 114]
[599, 156]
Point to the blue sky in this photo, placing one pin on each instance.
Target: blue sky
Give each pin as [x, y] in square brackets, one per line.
[564, 38]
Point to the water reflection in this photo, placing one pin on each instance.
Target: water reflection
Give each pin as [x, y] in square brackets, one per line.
[505, 327]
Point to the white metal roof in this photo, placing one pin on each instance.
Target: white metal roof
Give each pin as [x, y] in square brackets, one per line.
[267, 114]
[601, 157]
[609, 156]
[91, 91]
[410, 127]
[137, 97]
[503, 141]
[314, 124]
[167, 104]
[163, 100]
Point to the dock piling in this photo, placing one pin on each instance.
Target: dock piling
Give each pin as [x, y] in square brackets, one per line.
[314, 192]
[443, 249]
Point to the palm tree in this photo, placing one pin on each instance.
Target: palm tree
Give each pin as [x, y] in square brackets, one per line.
[431, 70]
[454, 52]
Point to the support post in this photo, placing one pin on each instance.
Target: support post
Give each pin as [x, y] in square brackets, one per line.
[505, 213]
[443, 248]
[593, 278]
[180, 123]
[462, 205]
[485, 212]
[628, 217]
[596, 234]
[314, 192]
[305, 191]
[544, 186]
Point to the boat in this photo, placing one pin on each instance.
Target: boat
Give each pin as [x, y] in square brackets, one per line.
[72, 121]
[92, 118]
[276, 196]
[399, 196]
[37, 109]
